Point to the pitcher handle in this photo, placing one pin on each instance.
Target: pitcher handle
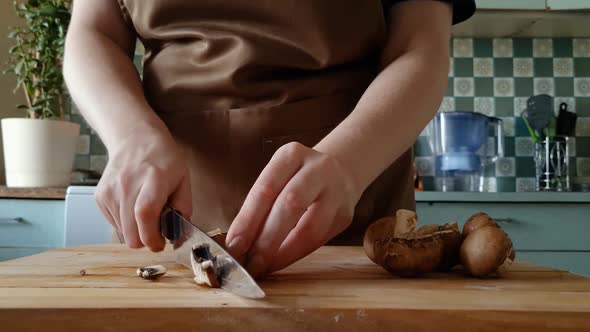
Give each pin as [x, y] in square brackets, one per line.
[499, 129]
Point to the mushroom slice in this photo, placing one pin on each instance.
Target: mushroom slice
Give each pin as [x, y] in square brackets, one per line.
[150, 272]
[205, 266]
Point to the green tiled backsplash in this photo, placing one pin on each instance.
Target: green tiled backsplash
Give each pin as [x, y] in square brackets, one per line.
[494, 77]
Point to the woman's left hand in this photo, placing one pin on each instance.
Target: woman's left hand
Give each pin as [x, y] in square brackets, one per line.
[301, 200]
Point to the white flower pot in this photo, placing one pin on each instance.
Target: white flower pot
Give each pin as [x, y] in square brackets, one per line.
[39, 153]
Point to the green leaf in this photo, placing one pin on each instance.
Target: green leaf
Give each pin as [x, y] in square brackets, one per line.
[22, 107]
[19, 67]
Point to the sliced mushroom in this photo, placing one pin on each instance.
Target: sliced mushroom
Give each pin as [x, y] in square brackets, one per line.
[404, 221]
[204, 266]
[396, 245]
[150, 272]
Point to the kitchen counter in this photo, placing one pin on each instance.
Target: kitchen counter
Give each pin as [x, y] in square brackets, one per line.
[506, 197]
[334, 289]
[32, 193]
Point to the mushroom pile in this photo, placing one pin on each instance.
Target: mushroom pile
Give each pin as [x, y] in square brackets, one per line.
[396, 244]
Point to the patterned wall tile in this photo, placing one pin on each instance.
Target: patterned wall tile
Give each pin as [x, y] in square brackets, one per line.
[543, 67]
[503, 67]
[508, 126]
[83, 144]
[564, 86]
[571, 146]
[542, 47]
[490, 184]
[463, 87]
[582, 87]
[425, 166]
[581, 47]
[463, 67]
[525, 184]
[524, 146]
[570, 101]
[523, 67]
[581, 67]
[504, 106]
[523, 47]
[503, 48]
[506, 167]
[562, 47]
[583, 127]
[544, 86]
[483, 67]
[462, 47]
[563, 67]
[583, 166]
[523, 86]
[98, 162]
[483, 47]
[582, 106]
[519, 105]
[484, 105]
[504, 87]
[447, 105]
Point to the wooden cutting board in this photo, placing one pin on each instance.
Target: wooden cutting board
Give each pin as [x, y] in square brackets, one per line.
[336, 288]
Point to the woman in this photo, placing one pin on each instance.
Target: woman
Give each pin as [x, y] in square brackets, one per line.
[290, 122]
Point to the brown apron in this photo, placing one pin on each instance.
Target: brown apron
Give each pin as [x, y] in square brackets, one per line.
[234, 80]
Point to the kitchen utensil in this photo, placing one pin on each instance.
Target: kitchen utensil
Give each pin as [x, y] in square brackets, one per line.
[459, 142]
[566, 121]
[531, 131]
[184, 235]
[551, 158]
[539, 112]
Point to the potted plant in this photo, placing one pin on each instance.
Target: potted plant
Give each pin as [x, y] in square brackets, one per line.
[39, 149]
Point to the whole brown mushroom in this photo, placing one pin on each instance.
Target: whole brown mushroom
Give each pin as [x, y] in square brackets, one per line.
[486, 250]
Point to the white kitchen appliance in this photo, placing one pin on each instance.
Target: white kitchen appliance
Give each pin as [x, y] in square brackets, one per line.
[85, 223]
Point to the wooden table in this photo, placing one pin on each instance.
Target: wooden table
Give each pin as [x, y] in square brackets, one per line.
[336, 288]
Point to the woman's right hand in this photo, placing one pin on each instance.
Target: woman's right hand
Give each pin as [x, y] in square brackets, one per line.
[145, 172]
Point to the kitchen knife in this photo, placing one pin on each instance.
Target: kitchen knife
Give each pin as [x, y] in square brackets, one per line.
[184, 235]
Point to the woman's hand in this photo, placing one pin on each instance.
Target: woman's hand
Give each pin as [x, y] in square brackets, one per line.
[144, 172]
[302, 199]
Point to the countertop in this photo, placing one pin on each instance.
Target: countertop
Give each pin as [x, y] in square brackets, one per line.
[334, 289]
[33, 193]
[504, 197]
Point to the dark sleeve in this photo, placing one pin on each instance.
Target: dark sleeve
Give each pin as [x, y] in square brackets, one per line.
[462, 9]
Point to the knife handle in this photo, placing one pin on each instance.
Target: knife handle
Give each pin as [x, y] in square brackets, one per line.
[170, 224]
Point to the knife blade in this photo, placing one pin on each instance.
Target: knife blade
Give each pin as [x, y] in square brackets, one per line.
[183, 235]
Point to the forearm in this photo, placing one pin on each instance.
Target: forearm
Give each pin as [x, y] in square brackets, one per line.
[390, 115]
[105, 86]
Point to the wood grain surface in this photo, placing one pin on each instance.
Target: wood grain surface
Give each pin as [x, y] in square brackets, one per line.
[95, 288]
[33, 193]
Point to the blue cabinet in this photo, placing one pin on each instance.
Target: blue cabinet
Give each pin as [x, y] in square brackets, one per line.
[533, 4]
[29, 226]
[568, 4]
[505, 4]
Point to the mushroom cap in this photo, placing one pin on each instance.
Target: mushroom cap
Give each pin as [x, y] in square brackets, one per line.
[380, 229]
[485, 250]
[477, 221]
[404, 221]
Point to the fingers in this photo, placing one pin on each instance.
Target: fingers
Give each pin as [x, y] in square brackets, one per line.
[314, 229]
[259, 201]
[147, 208]
[128, 193]
[108, 205]
[291, 204]
[181, 199]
